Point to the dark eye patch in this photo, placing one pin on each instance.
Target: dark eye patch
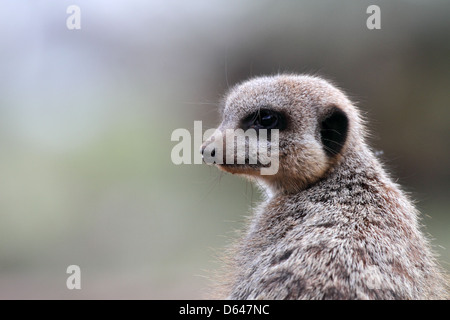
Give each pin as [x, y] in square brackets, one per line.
[264, 118]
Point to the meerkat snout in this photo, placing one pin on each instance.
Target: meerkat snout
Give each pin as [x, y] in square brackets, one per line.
[202, 151]
[333, 224]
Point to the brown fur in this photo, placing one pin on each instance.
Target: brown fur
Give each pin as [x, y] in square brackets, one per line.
[331, 227]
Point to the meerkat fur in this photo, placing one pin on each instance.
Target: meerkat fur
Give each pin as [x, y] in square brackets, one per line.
[333, 224]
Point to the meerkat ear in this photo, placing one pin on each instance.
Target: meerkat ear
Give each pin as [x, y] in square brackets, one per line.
[333, 131]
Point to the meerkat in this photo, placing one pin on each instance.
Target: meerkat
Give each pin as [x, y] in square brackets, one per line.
[333, 224]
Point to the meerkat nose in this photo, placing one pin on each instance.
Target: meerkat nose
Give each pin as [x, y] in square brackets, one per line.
[202, 151]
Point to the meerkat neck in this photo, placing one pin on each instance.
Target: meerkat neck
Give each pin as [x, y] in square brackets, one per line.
[356, 160]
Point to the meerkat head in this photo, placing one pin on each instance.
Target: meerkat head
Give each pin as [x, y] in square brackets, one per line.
[313, 121]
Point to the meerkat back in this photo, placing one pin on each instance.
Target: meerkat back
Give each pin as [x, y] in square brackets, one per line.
[333, 224]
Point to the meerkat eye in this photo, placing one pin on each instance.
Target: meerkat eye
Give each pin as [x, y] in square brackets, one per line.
[267, 120]
[264, 119]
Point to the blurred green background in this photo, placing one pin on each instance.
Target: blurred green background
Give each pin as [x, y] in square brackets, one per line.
[86, 118]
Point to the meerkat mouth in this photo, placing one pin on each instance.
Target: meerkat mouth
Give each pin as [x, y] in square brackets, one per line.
[250, 169]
